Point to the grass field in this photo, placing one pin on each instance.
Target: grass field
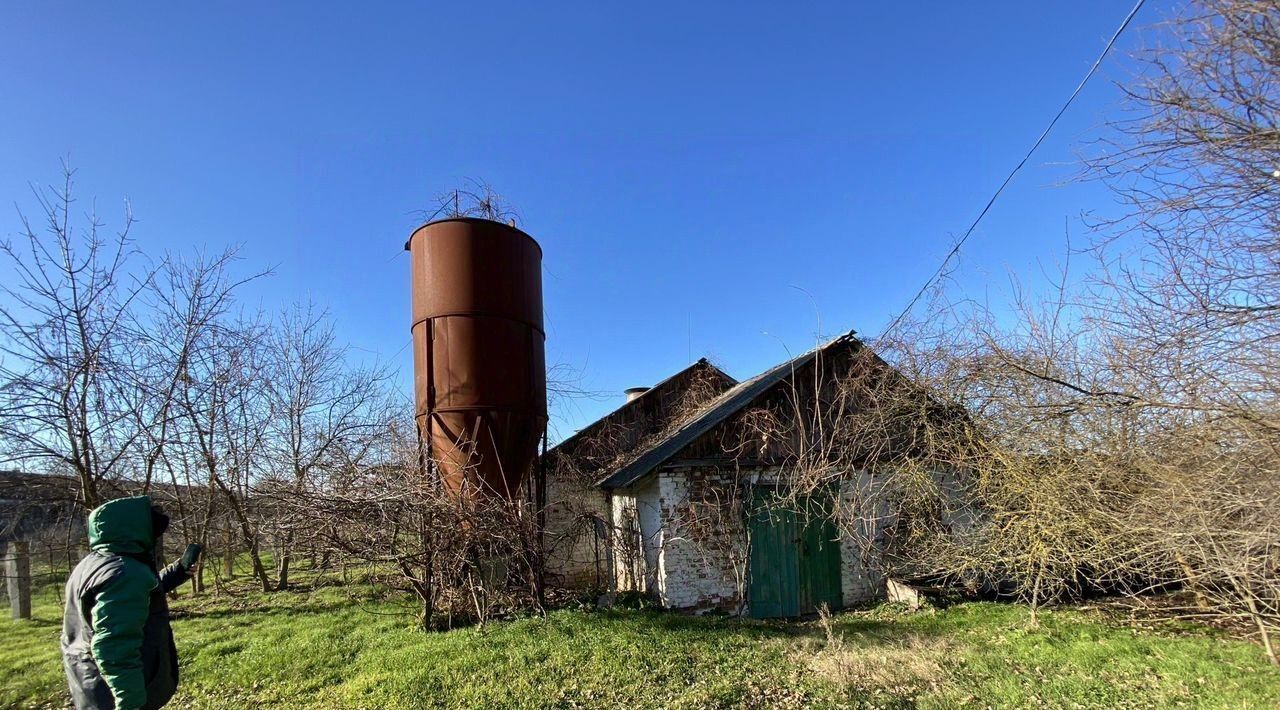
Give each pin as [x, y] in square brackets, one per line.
[336, 647]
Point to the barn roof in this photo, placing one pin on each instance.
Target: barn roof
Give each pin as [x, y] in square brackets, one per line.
[639, 401]
[716, 411]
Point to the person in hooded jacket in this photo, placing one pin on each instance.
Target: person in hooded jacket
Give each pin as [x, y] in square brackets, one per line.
[117, 645]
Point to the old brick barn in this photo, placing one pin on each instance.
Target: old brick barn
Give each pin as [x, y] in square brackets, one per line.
[679, 494]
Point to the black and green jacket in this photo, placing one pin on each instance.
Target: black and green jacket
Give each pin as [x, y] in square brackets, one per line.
[117, 645]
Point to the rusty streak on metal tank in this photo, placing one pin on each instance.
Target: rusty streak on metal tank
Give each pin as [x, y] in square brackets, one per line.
[478, 351]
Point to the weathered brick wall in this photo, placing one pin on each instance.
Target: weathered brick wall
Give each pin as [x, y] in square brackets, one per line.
[577, 554]
[862, 516]
[649, 518]
[703, 555]
[958, 512]
[627, 554]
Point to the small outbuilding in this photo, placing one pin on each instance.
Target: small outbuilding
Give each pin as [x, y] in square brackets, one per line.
[706, 493]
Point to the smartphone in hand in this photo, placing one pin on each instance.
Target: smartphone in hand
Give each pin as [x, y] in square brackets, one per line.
[191, 556]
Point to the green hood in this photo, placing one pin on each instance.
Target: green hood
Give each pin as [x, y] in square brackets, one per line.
[122, 527]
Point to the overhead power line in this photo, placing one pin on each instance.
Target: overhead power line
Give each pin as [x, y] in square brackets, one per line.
[1044, 134]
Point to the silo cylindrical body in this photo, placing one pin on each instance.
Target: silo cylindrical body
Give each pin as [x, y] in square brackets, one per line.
[479, 352]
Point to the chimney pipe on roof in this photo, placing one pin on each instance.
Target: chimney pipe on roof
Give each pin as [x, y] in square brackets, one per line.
[633, 392]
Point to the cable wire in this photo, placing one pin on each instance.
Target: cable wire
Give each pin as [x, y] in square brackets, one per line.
[1044, 134]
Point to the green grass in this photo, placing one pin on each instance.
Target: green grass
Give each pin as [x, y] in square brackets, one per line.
[338, 647]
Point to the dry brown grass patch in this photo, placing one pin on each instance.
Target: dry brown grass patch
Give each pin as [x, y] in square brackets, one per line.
[903, 665]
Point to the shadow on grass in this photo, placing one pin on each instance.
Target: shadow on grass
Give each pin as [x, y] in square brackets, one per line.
[307, 600]
[729, 628]
[264, 608]
[38, 622]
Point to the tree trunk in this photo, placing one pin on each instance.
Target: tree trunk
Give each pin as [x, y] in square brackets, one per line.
[228, 552]
[282, 566]
[250, 538]
[1035, 599]
[1192, 581]
[259, 569]
[1261, 623]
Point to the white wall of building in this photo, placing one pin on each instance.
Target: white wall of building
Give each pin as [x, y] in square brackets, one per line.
[688, 566]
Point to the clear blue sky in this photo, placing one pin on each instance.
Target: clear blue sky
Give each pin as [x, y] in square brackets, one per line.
[705, 178]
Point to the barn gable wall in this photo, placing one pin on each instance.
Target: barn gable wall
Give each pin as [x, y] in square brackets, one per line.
[577, 555]
[593, 451]
[794, 416]
[577, 511]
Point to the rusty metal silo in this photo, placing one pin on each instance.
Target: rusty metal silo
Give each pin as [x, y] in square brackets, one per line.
[479, 351]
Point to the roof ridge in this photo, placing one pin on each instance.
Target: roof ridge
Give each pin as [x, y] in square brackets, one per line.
[655, 387]
[671, 442]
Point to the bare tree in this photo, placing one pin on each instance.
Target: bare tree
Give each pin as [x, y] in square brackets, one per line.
[323, 410]
[188, 299]
[1123, 436]
[185, 298]
[1191, 270]
[1188, 303]
[70, 391]
[224, 420]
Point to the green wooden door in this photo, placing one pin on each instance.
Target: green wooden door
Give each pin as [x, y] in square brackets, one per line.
[819, 556]
[775, 581]
[795, 557]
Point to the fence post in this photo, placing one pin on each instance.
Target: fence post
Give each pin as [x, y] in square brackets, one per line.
[17, 572]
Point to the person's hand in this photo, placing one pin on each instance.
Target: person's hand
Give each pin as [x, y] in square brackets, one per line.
[191, 557]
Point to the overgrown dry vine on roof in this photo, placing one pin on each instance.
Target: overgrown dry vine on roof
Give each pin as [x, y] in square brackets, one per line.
[612, 443]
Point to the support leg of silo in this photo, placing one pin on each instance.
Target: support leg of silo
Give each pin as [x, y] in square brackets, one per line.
[540, 519]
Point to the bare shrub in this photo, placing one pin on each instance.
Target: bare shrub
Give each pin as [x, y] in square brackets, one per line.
[466, 559]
